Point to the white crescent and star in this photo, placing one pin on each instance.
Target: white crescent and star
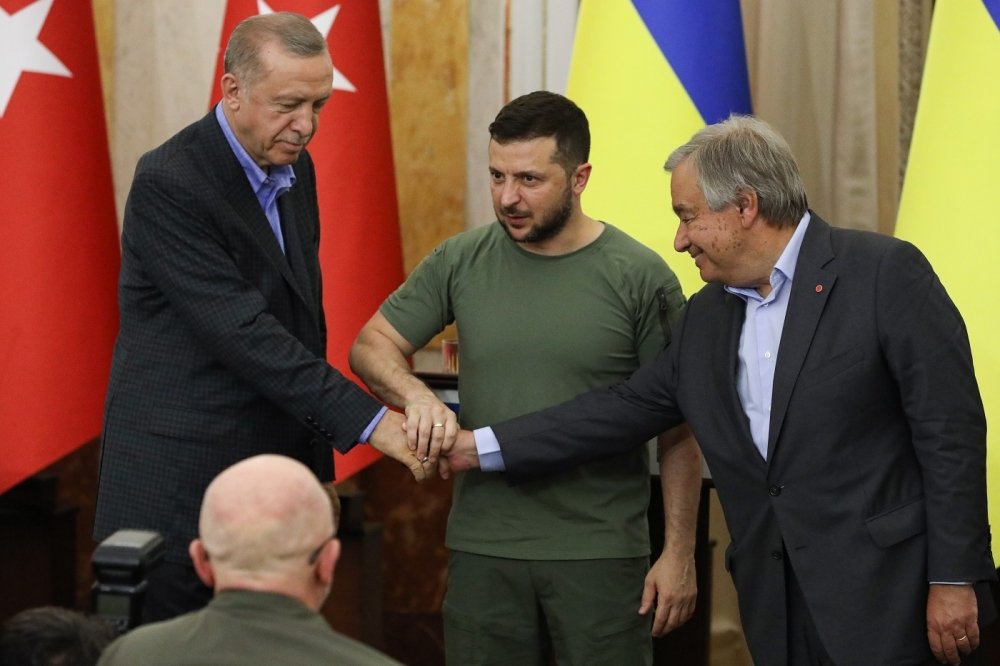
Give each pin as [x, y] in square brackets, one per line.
[21, 51]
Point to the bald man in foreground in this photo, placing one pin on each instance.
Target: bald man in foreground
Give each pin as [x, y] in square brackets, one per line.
[267, 548]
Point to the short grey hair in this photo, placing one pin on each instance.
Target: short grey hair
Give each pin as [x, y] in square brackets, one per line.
[293, 32]
[741, 154]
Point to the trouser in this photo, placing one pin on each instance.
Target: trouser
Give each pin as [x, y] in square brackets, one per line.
[804, 645]
[537, 612]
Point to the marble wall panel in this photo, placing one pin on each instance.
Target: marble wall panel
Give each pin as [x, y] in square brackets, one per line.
[427, 97]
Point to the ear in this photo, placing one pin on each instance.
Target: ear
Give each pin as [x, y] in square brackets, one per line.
[747, 203]
[327, 561]
[202, 565]
[230, 86]
[580, 178]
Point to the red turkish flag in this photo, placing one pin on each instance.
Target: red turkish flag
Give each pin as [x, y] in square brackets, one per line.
[59, 252]
[360, 250]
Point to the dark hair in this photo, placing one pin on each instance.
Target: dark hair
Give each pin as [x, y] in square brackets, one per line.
[52, 636]
[293, 32]
[543, 114]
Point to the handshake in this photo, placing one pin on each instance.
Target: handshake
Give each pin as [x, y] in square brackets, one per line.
[426, 438]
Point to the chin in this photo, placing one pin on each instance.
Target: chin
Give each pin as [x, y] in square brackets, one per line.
[283, 158]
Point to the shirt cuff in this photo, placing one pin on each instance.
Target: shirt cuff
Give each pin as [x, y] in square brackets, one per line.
[371, 426]
[488, 448]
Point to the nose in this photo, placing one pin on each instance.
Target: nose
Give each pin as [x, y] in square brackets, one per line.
[303, 121]
[681, 240]
[509, 193]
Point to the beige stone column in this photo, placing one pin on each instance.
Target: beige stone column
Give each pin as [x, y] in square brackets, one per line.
[162, 69]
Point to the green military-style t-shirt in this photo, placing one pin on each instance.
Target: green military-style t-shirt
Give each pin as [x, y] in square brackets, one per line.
[534, 331]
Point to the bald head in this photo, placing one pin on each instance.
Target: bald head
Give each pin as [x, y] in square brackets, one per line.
[260, 521]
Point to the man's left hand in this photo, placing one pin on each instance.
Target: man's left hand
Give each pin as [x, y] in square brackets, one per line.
[952, 626]
[672, 587]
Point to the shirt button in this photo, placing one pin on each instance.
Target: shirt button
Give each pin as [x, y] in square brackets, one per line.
[774, 491]
[776, 555]
[767, 354]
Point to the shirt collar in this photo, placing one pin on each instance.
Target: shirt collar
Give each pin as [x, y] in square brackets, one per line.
[789, 258]
[784, 268]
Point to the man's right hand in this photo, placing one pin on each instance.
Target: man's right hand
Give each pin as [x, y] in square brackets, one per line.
[460, 457]
[389, 437]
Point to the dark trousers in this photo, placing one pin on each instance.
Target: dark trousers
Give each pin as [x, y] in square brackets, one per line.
[173, 589]
[804, 644]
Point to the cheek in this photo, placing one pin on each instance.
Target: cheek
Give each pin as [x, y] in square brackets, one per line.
[703, 236]
[716, 237]
[276, 123]
[551, 199]
[495, 192]
[734, 242]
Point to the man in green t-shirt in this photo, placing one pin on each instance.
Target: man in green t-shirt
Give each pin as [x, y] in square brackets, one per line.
[549, 303]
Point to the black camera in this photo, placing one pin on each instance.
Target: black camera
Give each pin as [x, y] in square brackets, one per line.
[121, 565]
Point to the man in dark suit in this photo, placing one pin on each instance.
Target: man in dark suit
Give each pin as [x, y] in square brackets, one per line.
[828, 378]
[221, 351]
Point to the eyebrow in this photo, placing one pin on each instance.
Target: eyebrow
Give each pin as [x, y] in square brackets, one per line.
[298, 99]
[533, 174]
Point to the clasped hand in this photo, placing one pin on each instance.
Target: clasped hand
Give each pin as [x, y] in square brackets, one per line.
[426, 438]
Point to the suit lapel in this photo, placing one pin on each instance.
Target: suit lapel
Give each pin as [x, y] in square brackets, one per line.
[811, 287]
[733, 312]
[294, 251]
[237, 192]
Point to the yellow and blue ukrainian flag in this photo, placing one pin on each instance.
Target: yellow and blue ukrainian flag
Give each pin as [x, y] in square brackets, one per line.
[649, 74]
[949, 202]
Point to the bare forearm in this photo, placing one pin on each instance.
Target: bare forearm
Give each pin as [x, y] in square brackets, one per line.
[680, 481]
[379, 357]
[671, 585]
[385, 370]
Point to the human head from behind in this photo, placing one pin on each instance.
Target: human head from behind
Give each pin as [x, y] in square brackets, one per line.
[53, 636]
[538, 152]
[737, 192]
[278, 76]
[266, 525]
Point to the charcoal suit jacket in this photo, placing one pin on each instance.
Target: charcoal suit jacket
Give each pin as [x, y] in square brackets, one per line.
[874, 482]
[222, 341]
